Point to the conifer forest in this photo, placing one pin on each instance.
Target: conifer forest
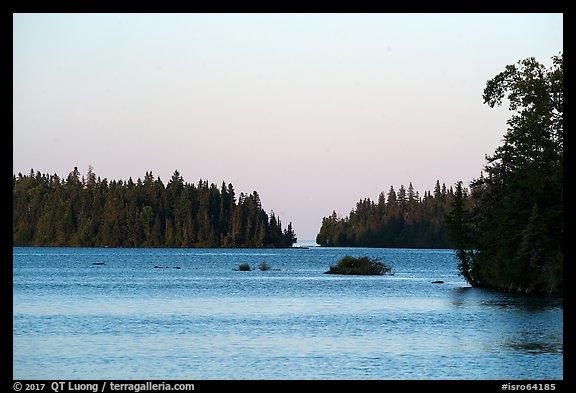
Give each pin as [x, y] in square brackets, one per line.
[86, 211]
[399, 219]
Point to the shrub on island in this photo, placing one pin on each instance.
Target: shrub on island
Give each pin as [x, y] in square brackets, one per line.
[244, 267]
[359, 266]
[264, 266]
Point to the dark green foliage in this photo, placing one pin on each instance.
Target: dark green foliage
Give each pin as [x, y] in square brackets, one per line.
[264, 266]
[244, 267]
[459, 230]
[90, 212]
[404, 220]
[511, 234]
[359, 266]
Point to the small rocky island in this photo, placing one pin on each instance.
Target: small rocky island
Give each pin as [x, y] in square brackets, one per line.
[359, 266]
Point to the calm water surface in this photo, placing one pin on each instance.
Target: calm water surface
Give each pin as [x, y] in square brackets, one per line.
[189, 314]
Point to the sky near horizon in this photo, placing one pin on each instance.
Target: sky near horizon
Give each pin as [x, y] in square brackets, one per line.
[313, 111]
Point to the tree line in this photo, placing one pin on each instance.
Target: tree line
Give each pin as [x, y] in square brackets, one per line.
[401, 219]
[87, 211]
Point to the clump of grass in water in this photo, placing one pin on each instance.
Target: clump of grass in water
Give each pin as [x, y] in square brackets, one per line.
[264, 266]
[360, 266]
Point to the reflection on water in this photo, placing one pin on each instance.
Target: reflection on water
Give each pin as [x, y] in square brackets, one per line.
[127, 320]
[519, 324]
[536, 347]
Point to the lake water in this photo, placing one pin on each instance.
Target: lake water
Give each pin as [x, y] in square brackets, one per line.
[83, 313]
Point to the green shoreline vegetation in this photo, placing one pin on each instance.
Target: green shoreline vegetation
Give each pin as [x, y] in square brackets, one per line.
[509, 228]
[91, 212]
[400, 219]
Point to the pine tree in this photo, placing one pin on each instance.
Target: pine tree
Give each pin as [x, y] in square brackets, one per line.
[460, 233]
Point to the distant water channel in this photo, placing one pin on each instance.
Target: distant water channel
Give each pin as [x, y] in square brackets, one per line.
[191, 314]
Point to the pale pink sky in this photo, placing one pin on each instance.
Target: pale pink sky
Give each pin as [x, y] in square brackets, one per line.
[313, 111]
